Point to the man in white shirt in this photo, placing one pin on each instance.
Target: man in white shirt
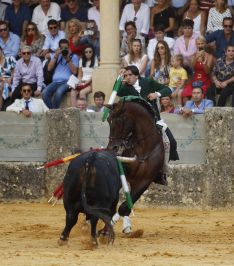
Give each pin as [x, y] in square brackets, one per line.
[45, 12]
[27, 105]
[138, 12]
[94, 13]
[159, 36]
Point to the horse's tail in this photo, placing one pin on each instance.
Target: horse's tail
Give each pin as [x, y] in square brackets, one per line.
[89, 173]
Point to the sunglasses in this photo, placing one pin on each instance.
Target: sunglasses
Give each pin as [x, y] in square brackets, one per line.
[227, 26]
[24, 53]
[161, 47]
[53, 27]
[88, 52]
[5, 29]
[26, 90]
[71, 1]
[135, 19]
[30, 29]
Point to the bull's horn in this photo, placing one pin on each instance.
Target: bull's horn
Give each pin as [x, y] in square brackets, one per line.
[127, 159]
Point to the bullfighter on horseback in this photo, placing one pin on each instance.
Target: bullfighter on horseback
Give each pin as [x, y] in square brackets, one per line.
[150, 90]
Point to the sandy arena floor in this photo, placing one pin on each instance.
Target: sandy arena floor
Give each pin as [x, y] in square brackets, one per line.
[29, 234]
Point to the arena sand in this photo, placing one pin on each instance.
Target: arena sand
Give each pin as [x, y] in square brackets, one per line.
[30, 231]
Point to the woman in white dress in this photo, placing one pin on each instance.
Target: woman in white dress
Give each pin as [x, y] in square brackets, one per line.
[87, 64]
[136, 57]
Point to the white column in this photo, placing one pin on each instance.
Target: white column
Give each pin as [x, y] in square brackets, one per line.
[105, 75]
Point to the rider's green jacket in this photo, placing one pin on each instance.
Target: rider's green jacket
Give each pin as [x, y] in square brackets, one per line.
[148, 85]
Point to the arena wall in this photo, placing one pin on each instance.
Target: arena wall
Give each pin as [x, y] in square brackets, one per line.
[203, 177]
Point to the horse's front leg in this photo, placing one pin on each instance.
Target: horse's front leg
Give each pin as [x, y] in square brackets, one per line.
[136, 191]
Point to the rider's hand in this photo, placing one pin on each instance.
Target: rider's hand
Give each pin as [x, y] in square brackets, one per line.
[152, 96]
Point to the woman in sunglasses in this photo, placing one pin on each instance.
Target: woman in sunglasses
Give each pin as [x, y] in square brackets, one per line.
[160, 64]
[32, 37]
[86, 66]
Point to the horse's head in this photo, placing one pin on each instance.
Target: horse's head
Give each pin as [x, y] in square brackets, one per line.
[121, 128]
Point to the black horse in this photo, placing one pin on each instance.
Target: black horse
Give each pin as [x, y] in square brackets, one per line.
[133, 133]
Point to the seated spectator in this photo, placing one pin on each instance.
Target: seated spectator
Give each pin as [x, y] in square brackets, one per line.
[52, 39]
[28, 70]
[44, 12]
[82, 105]
[73, 10]
[75, 35]
[92, 36]
[9, 41]
[223, 78]
[216, 15]
[202, 63]
[160, 65]
[139, 13]
[99, 99]
[167, 105]
[163, 14]
[94, 13]
[131, 31]
[7, 65]
[186, 44]
[136, 57]
[159, 32]
[32, 37]
[222, 38]
[27, 105]
[197, 105]
[177, 78]
[17, 15]
[198, 16]
[86, 66]
[64, 64]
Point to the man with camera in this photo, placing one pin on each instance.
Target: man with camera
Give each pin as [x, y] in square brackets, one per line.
[64, 64]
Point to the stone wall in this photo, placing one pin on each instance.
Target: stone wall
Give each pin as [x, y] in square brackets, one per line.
[209, 183]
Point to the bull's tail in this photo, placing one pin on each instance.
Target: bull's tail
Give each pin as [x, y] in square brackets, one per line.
[99, 213]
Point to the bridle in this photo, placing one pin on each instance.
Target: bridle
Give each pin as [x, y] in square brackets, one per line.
[130, 141]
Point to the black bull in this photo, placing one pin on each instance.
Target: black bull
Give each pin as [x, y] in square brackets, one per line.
[91, 186]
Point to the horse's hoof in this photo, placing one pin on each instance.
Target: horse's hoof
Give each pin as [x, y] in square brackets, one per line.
[62, 242]
[94, 242]
[127, 230]
[111, 239]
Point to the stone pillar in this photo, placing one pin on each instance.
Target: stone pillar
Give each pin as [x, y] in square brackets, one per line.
[219, 177]
[104, 76]
[63, 134]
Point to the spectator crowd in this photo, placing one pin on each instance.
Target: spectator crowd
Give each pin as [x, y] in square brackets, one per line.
[187, 45]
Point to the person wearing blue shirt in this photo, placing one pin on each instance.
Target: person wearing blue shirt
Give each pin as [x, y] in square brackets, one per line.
[9, 41]
[17, 15]
[64, 64]
[222, 38]
[197, 104]
[52, 39]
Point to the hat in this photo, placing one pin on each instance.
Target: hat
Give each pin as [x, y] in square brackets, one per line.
[197, 84]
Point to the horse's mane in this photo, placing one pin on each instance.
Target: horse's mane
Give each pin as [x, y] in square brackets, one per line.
[140, 101]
